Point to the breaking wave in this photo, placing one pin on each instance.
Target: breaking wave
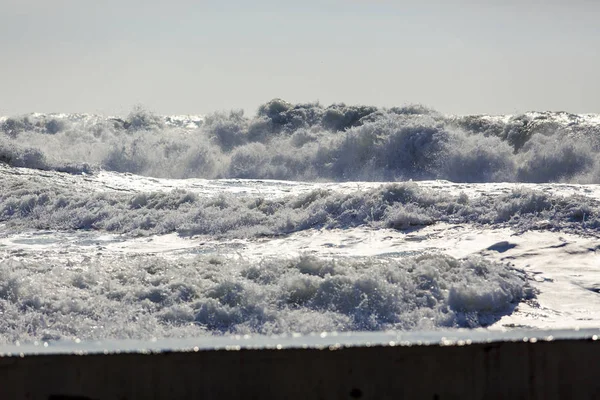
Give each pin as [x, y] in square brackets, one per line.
[312, 142]
[146, 297]
[35, 204]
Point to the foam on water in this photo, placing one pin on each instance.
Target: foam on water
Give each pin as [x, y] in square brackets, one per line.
[145, 297]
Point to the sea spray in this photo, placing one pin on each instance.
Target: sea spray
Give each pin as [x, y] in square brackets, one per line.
[313, 142]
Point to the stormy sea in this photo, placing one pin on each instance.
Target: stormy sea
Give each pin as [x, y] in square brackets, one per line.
[302, 218]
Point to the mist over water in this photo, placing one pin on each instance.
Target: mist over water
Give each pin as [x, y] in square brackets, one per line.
[312, 142]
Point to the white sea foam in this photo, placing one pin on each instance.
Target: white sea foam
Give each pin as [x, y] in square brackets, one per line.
[143, 297]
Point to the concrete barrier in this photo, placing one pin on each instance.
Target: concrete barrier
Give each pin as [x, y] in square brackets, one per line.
[433, 366]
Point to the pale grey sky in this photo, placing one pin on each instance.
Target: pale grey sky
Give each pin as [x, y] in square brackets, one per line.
[457, 56]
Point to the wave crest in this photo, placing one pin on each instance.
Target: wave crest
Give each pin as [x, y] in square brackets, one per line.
[313, 142]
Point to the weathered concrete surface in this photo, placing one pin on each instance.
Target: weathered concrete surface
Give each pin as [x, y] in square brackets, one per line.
[559, 369]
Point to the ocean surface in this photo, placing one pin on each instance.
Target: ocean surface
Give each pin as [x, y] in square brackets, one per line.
[303, 218]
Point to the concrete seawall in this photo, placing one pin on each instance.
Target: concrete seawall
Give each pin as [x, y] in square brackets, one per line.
[464, 365]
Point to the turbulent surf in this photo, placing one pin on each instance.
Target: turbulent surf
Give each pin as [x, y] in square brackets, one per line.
[302, 218]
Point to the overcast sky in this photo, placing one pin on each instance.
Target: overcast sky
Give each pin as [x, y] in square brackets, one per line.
[181, 57]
